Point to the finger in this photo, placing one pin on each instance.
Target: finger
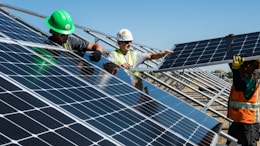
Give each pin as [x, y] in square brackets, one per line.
[234, 58]
[243, 59]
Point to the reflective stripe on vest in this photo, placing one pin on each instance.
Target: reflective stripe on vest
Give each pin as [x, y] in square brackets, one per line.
[242, 110]
[244, 105]
[67, 45]
[118, 54]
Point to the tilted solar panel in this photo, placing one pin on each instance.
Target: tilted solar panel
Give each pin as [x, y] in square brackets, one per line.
[16, 30]
[92, 98]
[125, 115]
[27, 120]
[213, 51]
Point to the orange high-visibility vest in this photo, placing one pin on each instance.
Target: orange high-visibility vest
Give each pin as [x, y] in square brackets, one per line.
[131, 59]
[242, 110]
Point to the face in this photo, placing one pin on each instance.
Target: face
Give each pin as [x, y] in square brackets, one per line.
[124, 45]
[248, 67]
[59, 38]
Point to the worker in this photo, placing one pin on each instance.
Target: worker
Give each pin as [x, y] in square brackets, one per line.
[243, 104]
[61, 26]
[127, 59]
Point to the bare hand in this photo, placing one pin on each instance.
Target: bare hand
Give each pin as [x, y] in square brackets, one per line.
[126, 65]
[168, 52]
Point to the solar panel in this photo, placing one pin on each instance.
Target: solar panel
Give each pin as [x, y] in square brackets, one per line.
[158, 94]
[18, 31]
[213, 51]
[27, 120]
[114, 113]
[73, 88]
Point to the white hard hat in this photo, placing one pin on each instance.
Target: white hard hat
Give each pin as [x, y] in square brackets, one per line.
[124, 35]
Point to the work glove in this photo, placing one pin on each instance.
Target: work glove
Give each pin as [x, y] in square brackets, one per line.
[96, 56]
[237, 62]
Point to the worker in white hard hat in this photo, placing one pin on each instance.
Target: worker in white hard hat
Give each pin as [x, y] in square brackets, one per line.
[127, 59]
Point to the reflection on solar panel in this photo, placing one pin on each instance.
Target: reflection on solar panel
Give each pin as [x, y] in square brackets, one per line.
[213, 51]
[18, 31]
[115, 116]
[55, 98]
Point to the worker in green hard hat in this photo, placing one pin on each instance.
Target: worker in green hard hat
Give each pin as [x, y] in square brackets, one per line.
[61, 26]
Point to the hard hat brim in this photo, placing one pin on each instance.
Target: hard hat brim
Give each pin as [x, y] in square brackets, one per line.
[66, 32]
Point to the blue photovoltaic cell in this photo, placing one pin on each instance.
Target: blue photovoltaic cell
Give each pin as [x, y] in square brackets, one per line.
[92, 95]
[212, 51]
[26, 120]
[18, 31]
[115, 108]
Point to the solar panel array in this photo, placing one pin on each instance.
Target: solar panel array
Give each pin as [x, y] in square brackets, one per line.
[213, 51]
[17, 31]
[50, 96]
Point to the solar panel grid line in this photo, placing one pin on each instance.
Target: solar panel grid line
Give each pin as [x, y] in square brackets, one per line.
[2, 35]
[166, 116]
[140, 124]
[162, 118]
[130, 127]
[241, 45]
[153, 139]
[38, 134]
[19, 112]
[257, 45]
[12, 28]
[217, 51]
[69, 88]
[36, 109]
[202, 54]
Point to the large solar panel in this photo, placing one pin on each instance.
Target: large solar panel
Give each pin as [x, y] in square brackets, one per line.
[213, 51]
[58, 82]
[118, 113]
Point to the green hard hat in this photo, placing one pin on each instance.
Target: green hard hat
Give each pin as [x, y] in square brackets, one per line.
[60, 22]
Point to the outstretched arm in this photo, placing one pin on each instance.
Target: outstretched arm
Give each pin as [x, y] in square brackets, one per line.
[158, 55]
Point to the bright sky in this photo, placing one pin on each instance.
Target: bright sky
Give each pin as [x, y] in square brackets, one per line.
[158, 24]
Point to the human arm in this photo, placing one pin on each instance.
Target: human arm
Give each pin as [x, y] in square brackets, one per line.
[239, 84]
[81, 46]
[243, 78]
[157, 55]
[111, 67]
[94, 47]
[96, 55]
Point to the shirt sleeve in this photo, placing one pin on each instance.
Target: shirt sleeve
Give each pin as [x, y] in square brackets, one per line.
[78, 46]
[111, 56]
[140, 58]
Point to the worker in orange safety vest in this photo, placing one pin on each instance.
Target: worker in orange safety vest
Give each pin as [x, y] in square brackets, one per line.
[243, 104]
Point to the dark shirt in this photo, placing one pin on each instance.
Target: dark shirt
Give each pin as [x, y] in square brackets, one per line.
[240, 85]
[245, 84]
[77, 45]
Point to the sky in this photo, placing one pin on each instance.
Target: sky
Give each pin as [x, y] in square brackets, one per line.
[155, 23]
